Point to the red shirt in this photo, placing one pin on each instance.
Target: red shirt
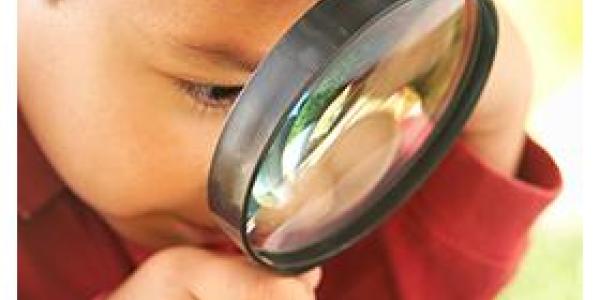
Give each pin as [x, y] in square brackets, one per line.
[460, 237]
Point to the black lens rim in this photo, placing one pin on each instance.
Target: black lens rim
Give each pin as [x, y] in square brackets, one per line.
[445, 134]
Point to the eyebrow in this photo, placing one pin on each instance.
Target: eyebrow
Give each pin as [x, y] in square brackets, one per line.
[225, 55]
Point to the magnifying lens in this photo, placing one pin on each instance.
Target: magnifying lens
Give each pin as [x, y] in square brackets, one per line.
[345, 117]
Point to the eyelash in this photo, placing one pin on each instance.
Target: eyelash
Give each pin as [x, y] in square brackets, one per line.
[211, 95]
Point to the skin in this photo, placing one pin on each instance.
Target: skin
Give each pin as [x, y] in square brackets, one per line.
[98, 85]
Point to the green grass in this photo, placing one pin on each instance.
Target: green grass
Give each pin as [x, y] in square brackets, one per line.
[552, 268]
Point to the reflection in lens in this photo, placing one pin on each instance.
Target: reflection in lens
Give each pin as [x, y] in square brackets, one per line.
[358, 127]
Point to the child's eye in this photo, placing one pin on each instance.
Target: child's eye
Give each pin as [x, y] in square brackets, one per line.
[211, 95]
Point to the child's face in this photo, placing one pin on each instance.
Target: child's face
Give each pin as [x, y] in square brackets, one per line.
[118, 95]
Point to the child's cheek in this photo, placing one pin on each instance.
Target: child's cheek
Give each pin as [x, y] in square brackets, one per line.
[119, 135]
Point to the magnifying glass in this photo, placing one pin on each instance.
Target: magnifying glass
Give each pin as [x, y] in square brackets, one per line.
[345, 117]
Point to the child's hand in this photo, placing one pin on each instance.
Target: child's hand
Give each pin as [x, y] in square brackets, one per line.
[186, 273]
[496, 131]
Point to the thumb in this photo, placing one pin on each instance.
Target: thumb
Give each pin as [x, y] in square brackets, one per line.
[312, 278]
[235, 277]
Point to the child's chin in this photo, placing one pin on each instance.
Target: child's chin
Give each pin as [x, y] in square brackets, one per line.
[191, 234]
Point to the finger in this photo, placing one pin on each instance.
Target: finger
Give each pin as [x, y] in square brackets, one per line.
[312, 278]
[235, 277]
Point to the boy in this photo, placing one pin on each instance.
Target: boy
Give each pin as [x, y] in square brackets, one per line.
[120, 106]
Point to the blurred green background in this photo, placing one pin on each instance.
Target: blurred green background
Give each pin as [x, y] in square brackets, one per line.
[552, 268]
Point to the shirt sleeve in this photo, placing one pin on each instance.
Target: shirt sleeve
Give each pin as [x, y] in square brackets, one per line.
[464, 231]
[101, 296]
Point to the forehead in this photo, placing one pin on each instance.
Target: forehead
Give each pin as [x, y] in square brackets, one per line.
[252, 22]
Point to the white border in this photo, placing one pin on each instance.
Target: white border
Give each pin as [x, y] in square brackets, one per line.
[8, 155]
[591, 150]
